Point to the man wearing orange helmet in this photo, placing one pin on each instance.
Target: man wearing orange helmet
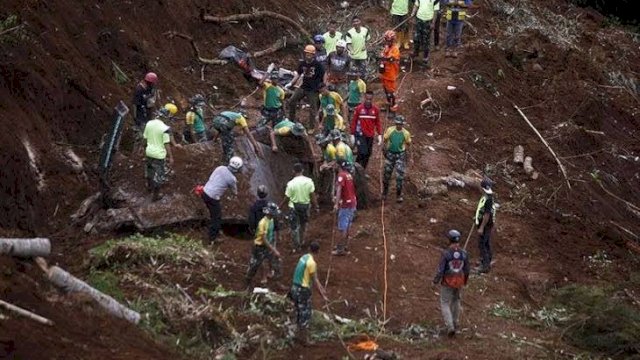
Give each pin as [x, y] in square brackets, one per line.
[312, 73]
[144, 98]
[390, 68]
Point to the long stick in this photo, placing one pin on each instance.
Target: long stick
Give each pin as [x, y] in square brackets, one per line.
[257, 15]
[473, 224]
[26, 313]
[564, 172]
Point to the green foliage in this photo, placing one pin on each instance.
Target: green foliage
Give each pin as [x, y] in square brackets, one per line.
[502, 310]
[219, 292]
[13, 36]
[107, 282]
[137, 249]
[601, 322]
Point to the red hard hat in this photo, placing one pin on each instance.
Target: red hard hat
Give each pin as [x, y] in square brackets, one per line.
[151, 77]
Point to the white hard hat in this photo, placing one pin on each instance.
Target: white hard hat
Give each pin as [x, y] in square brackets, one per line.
[235, 163]
[341, 43]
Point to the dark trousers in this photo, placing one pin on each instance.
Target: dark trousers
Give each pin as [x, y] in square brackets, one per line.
[215, 213]
[436, 28]
[314, 102]
[421, 37]
[365, 147]
[484, 244]
[299, 217]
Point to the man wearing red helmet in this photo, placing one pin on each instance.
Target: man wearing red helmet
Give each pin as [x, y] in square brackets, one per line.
[144, 99]
[390, 68]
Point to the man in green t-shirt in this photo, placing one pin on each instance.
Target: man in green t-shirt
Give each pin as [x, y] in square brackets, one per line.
[332, 36]
[305, 276]
[396, 140]
[356, 39]
[424, 11]
[299, 194]
[195, 131]
[287, 127]
[399, 18]
[225, 123]
[157, 152]
[273, 96]
[355, 91]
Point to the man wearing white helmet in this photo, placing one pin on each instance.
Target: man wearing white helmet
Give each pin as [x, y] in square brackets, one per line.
[221, 179]
[338, 64]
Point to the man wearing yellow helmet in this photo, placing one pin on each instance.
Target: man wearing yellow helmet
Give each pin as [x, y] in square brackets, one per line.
[312, 73]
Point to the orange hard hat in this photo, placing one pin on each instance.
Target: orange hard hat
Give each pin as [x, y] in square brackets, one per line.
[389, 35]
[310, 49]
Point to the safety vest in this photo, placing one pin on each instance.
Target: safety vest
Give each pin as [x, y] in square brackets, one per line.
[456, 11]
[480, 210]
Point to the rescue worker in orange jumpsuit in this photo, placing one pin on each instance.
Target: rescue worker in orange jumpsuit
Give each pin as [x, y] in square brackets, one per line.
[390, 68]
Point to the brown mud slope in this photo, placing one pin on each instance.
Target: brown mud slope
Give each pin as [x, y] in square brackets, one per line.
[574, 78]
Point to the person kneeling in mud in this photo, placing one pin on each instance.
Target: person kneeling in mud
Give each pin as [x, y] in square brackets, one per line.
[264, 247]
[287, 127]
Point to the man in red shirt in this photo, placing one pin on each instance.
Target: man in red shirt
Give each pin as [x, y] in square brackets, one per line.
[364, 126]
[345, 204]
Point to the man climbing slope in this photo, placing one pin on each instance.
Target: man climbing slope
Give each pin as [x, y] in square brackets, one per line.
[389, 68]
[225, 123]
[312, 73]
[357, 38]
[396, 140]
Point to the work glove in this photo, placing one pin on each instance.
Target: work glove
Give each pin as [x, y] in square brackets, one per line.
[353, 139]
[379, 139]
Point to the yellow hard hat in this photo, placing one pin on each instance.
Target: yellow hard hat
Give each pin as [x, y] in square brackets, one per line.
[172, 108]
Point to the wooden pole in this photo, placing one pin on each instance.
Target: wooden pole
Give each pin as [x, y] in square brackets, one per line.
[562, 169]
[25, 248]
[26, 313]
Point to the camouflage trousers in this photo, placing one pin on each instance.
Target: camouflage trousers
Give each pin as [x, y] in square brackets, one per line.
[258, 255]
[395, 161]
[421, 37]
[301, 297]
[155, 172]
[298, 219]
[228, 142]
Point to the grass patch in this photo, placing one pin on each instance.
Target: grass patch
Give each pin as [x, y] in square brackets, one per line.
[139, 249]
[107, 282]
[600, 321]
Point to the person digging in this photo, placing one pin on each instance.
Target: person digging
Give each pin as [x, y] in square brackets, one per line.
[305, 274]
[337, 151]
[345, 203]
[195, 131]
[287, 127]
[396, 140]
[225, 123]
[452, 275]
[331, 120]
[221, 179]
[264, 247]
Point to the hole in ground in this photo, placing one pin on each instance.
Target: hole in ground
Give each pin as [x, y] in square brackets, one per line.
[238, 229]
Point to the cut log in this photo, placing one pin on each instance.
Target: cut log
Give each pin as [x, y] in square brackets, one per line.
[70, 283]
[26, 313]
[518, 154]
[528, 167]
[25, 248]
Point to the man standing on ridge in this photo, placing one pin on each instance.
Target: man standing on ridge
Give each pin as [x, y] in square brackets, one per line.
[299, 195]
[321, 52]
[331, 37]
[399, 20]
[455, 12]
[390, 68]
[305, 276]
[396, 140]
[338, 64]
[312, 73]
[424, 11]
[484, 219]
[364, 127]
[273, 98]
[221, 179]
[356, 39]
[452, 275]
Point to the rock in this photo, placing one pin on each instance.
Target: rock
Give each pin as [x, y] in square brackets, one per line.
[537, 67]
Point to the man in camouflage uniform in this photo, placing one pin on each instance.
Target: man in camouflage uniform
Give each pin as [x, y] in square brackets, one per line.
[264, 246]
[304, 275]
[225, 123]
[396, 140]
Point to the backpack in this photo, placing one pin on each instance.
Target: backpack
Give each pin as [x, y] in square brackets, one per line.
[454, 275]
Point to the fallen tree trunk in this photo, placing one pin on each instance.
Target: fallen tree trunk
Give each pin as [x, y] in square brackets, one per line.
[25, 248]
[280, 44]
[26, 313]
[70, 283]
[254, 16]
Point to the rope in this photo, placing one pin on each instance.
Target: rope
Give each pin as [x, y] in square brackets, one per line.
[333, 233]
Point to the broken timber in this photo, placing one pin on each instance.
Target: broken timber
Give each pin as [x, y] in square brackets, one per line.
[256, 15]
[28, 314]
[25, 248]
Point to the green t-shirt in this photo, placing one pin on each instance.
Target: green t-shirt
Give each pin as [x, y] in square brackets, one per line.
[400, 7]
[305, 270]
[284, 123]
[426, 10]
[299, 190]
[396, 140]
[330, 41]
[358, 41]
[356, 89]
[198, 120]
[155, 132]
[273, 96]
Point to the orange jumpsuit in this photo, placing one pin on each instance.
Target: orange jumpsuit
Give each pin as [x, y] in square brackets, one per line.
[391, 68]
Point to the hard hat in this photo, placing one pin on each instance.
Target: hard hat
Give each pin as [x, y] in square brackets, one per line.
[341, 43]
[345, 164]
[318, 39]
[162, 112]
[336, 135]
[298, 129]
[271, 209]
[389, 35]
[310, 49]
[235, 163]
[486, 184]
[330, 109]
[172, 108]
[453, 235]
[321, 139]
[262, 191]
[151, 77]
[399, 120]
[198, 99]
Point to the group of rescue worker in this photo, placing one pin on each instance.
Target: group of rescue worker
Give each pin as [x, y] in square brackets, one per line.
[331, 78]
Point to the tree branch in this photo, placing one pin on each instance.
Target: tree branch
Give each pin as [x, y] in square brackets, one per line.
[256, 15]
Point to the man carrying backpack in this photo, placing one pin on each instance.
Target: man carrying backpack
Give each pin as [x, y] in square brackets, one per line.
[453, 274]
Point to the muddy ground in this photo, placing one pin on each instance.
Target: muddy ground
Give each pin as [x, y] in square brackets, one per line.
[573, 77]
